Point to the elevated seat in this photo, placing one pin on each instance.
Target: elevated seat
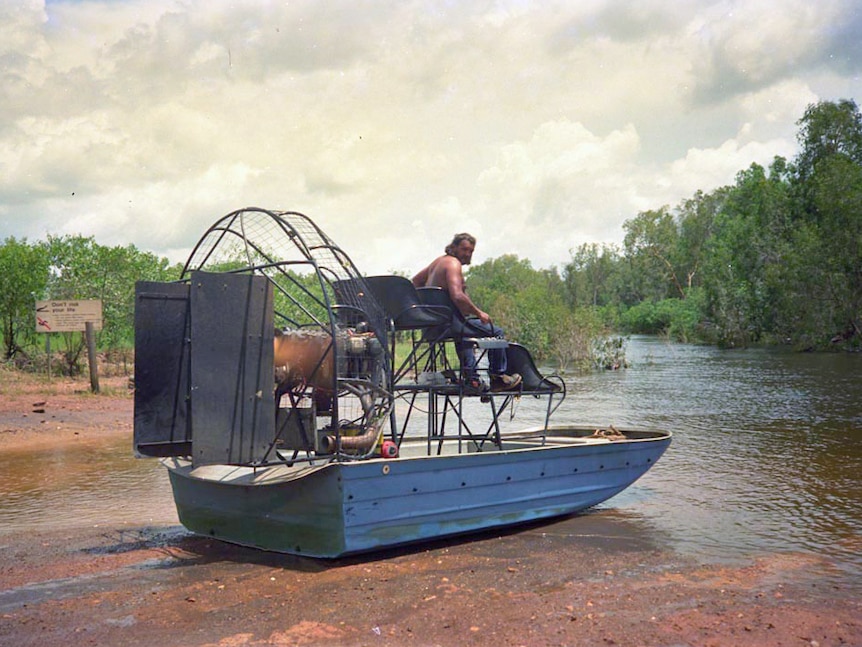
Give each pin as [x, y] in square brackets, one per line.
[437, 335]
[435, 296]
[520, 361]
[518, 358]
[407, 312]
[401, 303]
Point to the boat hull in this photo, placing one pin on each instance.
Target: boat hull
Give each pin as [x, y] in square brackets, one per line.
[339, 508]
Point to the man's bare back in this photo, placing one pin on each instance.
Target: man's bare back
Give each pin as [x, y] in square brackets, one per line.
[447, 272]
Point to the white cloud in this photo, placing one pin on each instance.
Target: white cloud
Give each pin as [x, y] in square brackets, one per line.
[564, 186]
[396, 124]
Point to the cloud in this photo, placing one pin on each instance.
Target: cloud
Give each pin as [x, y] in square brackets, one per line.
[557, 189]
[396, 124]
[751, 46]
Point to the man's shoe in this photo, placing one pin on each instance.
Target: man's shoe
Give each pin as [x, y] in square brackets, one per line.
[474, 386]
[505, 382]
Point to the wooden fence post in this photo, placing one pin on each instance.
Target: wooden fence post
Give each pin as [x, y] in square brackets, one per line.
[91, 356]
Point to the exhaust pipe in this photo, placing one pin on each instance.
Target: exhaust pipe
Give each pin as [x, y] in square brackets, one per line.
[363, 442]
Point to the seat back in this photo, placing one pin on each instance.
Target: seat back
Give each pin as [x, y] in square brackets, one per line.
[520, 361]
[436, 296]
[402, 304]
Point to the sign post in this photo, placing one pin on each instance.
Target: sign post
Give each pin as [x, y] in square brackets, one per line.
[73, 316]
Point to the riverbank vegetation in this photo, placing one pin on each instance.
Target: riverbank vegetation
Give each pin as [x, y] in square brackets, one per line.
[774, 258]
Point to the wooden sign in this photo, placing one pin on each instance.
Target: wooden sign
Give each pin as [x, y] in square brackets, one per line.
[68, 316]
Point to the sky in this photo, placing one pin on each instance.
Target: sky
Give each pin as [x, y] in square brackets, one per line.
[394, 124]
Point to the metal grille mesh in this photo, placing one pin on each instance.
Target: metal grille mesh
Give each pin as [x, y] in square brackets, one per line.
[307, 267]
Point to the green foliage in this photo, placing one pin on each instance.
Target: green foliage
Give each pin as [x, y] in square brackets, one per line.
[679, 319]
[23, 276]
[773, 258]
[299, 300]
[651, 243]
[609, 353]
[72, 267]
[80, 268]
[579, 340]
[837, 195]
[525, 302]
[536, 309]
[592, 275]
[828, 129]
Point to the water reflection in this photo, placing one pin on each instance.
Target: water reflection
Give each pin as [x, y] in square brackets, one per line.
[767, 456]
[82, 485]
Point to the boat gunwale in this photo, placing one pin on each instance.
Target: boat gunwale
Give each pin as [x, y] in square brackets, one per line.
[279, 473]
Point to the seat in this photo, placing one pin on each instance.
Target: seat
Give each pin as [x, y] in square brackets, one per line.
[401, 303]
[520, 361]
[458, 329]
[518, 358]
[435, 296]
[400, 300]
[436, 335]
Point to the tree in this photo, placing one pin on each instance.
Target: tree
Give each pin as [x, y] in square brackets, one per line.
[746, 255]
[589, 275]
[80, 268]
[837, 194]
[525, 302]
[696, 218]
[826, 238]
[23, 276]
[651, 243]
[826, 129]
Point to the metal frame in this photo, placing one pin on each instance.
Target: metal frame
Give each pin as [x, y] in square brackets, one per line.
[317, 288]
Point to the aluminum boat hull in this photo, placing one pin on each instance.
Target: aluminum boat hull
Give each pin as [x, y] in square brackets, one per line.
[338, 508]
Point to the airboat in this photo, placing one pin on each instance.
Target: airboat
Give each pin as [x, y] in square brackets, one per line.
[304, 408]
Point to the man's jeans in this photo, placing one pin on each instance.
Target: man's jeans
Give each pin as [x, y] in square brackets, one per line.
[475, 328]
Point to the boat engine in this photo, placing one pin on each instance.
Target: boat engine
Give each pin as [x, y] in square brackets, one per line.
[304, 358]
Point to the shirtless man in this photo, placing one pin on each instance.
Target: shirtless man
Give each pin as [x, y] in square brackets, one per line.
[447, 272]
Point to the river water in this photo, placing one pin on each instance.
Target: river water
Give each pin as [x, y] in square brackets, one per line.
[767, 449]
[766, 457]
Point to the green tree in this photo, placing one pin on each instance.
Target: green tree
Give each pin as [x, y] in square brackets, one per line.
[23, 277]
[826, 129]
[80, 268]
[523, 301]
[837, 195]
[746, 256]
[823, 277]
[576, 338]
[590, 275]
[651, 245]
[696, 218]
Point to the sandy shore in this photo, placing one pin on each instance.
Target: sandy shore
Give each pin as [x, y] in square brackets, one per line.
[576, 581]
[35, 410]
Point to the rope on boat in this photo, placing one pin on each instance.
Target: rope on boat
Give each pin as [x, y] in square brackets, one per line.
[610, 433]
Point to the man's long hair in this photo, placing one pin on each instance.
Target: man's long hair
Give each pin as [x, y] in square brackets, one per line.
[450, 248]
